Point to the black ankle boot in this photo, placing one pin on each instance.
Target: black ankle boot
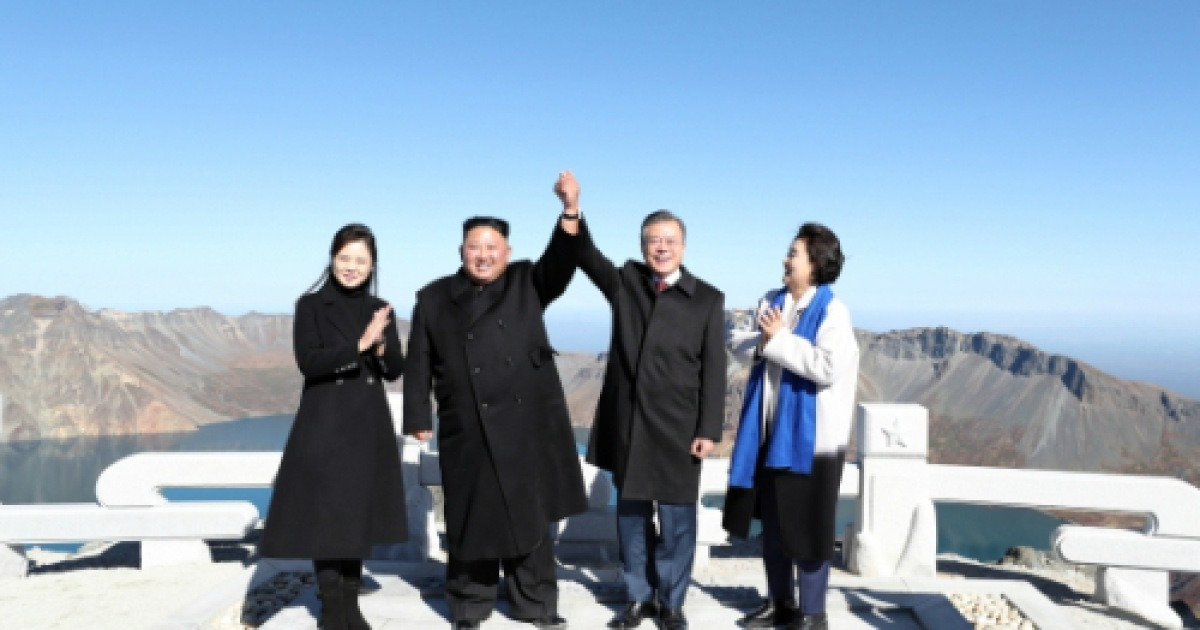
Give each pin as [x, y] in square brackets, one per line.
[354, 616]
[330, 591]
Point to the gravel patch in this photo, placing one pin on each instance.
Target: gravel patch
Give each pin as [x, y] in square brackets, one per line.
[990, 612]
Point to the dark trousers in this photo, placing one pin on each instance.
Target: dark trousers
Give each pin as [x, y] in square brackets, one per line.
[530, 582]
[781, 569]
[656, 561]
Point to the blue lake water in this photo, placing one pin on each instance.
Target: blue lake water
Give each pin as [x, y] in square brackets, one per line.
[65, 471]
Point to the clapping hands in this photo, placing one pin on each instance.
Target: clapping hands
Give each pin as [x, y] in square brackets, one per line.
[373, 337]
[770, 321]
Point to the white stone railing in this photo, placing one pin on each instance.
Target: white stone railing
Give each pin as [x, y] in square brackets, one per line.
[1172, 505]
[131, 507]
[170, 533]
[139, 479]
[896, 531]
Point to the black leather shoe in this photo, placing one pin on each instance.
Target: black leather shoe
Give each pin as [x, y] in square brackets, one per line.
[464, 624]
[810, 622]
[772, 613]
[633, 615]
[550, 622]
[672, 619]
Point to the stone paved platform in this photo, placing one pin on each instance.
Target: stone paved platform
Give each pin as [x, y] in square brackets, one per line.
[408, 596]
[398, 605]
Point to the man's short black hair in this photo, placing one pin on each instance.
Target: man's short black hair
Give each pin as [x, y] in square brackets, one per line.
[500, 225]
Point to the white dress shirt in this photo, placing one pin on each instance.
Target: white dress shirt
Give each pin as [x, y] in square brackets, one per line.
[670, 278]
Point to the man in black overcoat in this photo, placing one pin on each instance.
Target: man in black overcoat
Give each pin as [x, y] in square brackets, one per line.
[507, 452]
[661, 408]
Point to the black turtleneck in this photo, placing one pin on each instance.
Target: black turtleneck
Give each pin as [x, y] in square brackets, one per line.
[353, 302]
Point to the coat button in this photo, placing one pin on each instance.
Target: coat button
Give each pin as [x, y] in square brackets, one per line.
[470, 336]
[339, 381]
[517, 399]
[484, 406]
[501, 322]
[508, 360]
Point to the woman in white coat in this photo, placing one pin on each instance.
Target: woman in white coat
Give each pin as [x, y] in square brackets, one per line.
[796, 416]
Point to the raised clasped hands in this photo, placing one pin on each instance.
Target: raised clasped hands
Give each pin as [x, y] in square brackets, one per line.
[770, 321]
[373, 337]
[567, 189]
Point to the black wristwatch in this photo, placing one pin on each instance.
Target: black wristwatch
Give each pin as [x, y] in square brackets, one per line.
[569, 216]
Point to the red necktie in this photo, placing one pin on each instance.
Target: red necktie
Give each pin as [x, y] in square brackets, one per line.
[660, 285]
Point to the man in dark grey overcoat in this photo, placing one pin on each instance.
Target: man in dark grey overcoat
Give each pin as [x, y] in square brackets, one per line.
[661, 408]
[507, 452]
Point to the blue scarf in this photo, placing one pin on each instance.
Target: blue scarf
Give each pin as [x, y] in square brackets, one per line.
[795, 428]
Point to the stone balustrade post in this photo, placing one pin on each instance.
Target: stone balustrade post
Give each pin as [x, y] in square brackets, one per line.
[419, 504]
[896, 532]
[1144, 592]
[13, 563]
[418, 499]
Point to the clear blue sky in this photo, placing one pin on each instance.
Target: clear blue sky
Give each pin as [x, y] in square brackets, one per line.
[1030, 168]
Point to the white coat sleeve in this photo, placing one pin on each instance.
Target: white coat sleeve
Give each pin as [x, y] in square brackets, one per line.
[834, 355]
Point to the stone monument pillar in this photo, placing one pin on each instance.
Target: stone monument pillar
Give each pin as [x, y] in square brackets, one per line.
[897, 527]
[13, 563]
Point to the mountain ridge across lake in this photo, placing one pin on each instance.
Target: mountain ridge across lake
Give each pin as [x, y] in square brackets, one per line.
[993, 399]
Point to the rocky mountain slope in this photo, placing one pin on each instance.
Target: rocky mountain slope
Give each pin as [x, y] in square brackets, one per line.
[67, 371]
[996, 400]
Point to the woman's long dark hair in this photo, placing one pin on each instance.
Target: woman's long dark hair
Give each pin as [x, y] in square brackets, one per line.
[349, 234]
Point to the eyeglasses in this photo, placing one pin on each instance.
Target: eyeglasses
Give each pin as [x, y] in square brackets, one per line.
[660, 241]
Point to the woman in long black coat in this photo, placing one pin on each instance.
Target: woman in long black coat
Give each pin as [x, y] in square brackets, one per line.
[340, 489]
